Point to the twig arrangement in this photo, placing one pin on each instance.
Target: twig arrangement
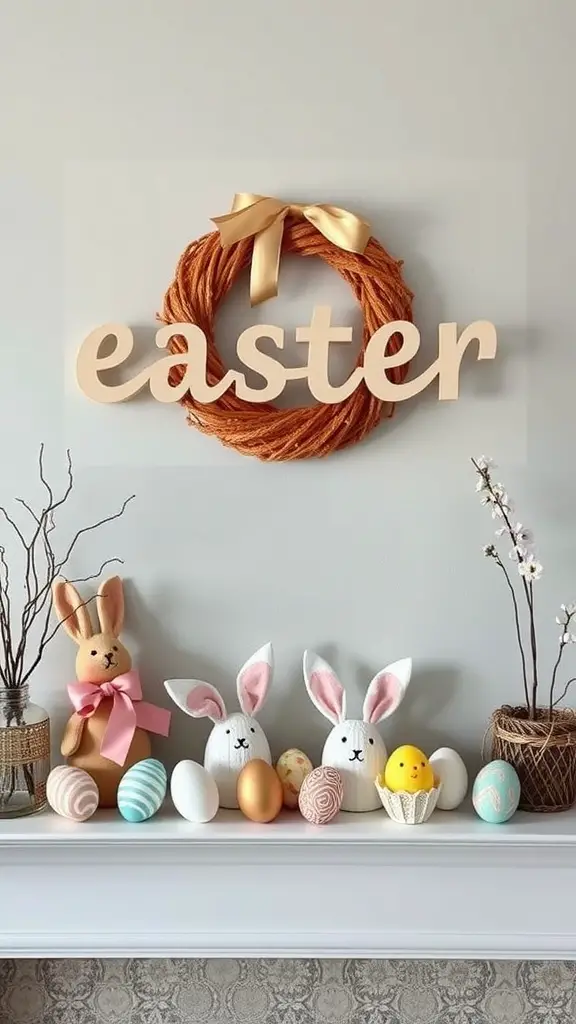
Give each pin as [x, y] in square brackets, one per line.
[529, 570]
[25, 632]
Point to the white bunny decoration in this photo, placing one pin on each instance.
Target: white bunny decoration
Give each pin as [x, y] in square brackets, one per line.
[236, 738]
[356, 748]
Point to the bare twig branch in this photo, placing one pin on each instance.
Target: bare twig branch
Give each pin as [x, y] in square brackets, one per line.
[5, 617]
[93, 526]
[46, 520]
[41, 569]
[28, 509]
[562, 645]
[31, 572]
[95, 575]
[14, 527]
[501, 565]
[530, 588]
[564, 691]
[57, 504]
[31, 580]
[51, 636]
[36, 607]
[43, 479]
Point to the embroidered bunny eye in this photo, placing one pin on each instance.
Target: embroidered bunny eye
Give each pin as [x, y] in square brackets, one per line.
[93, 653]
[114, 648]
[422, 763]
[252, 730]
[343, 739]
[370, 740]
[401, 764]
[227, 732]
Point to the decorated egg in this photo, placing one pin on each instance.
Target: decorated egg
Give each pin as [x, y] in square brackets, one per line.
[194, 792]
[321, 795]
[408, 771]
[72, 793]
[142, 790]
[292, 767]
[496, 792]
[450, 770]
[259, 791]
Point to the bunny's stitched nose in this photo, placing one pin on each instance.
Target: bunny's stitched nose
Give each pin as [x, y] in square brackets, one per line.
[241, 743]
[356, 755]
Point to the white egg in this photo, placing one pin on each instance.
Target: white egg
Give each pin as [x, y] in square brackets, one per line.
[450, 770]
[194, 792]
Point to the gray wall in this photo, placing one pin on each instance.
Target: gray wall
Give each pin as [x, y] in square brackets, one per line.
[448, 125]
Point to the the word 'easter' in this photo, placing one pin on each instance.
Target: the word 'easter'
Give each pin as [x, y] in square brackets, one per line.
[318, 335]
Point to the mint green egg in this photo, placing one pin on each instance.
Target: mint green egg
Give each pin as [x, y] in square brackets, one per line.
[142, 790]
[496, 792]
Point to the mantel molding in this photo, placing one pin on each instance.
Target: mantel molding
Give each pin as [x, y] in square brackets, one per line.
[361, 887]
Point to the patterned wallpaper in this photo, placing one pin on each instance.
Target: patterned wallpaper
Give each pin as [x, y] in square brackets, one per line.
[285, 992]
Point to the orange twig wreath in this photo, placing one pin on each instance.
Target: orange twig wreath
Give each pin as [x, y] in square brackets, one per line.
[204, 275]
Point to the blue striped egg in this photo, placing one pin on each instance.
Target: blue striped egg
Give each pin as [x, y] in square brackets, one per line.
[142, 790]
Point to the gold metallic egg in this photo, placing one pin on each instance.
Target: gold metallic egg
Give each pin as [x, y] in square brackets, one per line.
[259, 791]
[292, 767]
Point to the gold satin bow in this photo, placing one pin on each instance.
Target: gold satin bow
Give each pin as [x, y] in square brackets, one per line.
[263, 217]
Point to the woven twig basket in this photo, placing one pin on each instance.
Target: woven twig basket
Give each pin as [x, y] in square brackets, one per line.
[542, 751]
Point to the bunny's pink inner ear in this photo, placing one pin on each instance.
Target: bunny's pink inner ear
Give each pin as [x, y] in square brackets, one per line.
[253, 684]
[328, 692]
[204, 702]
[384, 695]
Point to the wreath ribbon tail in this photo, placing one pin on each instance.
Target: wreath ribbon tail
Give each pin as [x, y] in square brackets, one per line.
[265, 268]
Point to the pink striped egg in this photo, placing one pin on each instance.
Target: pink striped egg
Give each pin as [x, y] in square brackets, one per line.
[321, 795]
[72, 793]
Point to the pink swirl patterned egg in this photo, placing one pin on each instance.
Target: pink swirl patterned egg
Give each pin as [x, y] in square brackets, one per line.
[321, 795]
[72, 793]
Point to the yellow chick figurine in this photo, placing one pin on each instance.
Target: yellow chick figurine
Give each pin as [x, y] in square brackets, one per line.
[408, 771]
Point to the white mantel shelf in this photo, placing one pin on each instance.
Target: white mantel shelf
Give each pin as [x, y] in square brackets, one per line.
[360, 887]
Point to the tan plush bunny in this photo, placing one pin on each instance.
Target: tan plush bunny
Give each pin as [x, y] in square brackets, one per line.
[101, 658]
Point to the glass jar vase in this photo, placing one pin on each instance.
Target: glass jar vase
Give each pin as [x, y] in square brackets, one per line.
[24, 753]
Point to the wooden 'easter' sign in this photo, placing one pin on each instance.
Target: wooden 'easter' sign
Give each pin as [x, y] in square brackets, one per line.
[319, 335]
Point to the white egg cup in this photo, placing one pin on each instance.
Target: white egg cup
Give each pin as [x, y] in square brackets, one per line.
[409, 808]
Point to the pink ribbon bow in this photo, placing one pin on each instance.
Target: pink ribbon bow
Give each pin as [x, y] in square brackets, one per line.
[128, 712]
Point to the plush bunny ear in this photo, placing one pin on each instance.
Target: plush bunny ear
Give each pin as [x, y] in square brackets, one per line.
[110, 605]
[71, 611]
[198, 699]
[386, 691]
[324, 688]
[253, 680]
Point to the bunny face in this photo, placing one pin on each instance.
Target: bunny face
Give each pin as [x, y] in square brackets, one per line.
[101, 656]
[357, 750]
[355, 747]
[231, 744]
[236, 738]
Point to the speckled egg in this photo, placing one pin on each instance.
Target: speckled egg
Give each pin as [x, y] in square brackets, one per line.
[293, 766]
[496, 792]
[321, 795]
[142, 790]
[71, 792]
